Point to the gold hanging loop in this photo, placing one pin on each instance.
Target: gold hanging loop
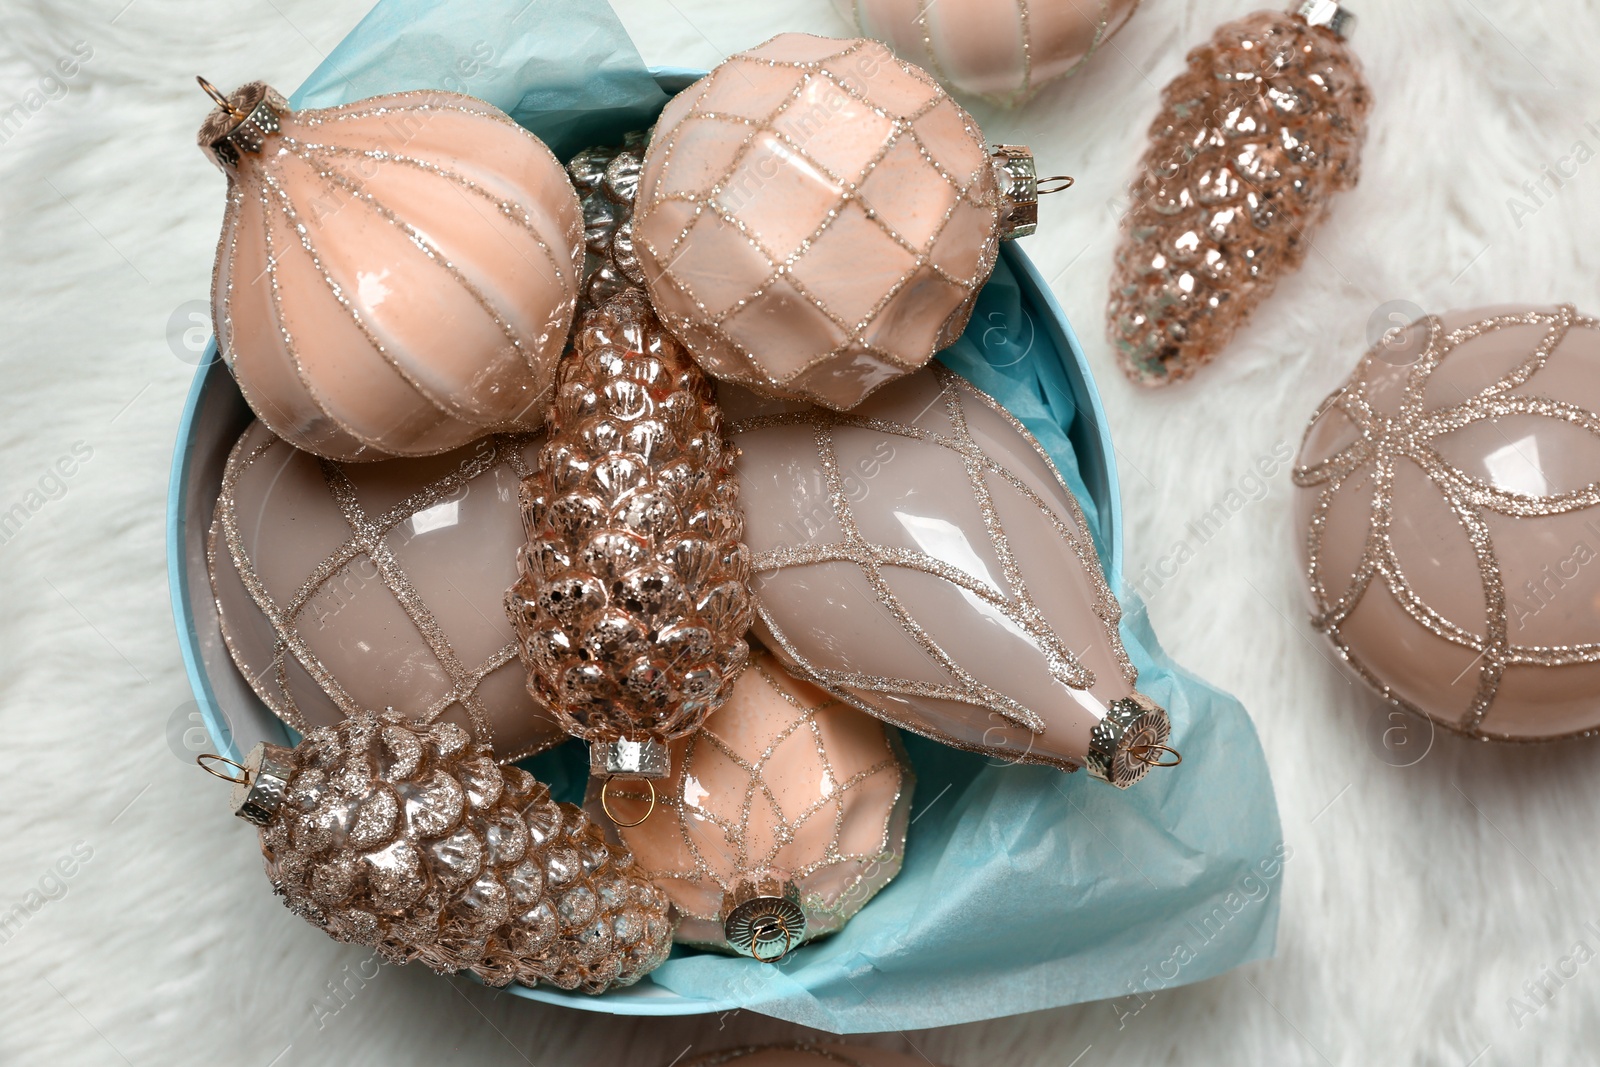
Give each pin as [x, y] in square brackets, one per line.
[242, 779]
[216, 94]
[1155, 755]
[605, 804]
[1056, 183]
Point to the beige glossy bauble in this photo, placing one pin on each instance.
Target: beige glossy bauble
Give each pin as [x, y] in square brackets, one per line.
[378, 585]
[921, 558]
[1449, 509]
[396, 276]
[1001, 50]
[815, 218]
[787, 808]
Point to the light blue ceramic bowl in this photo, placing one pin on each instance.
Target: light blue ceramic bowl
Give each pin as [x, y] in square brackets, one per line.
[215, 415]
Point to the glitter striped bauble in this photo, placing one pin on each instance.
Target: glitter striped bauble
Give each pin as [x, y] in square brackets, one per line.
[395, 276]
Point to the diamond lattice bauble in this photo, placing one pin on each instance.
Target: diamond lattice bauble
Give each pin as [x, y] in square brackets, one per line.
[412, 840]
[815, 218]
[377, 585]
[1450, 507]
[1252, 140]
[395, 276]
[921, 558]
[782, 783]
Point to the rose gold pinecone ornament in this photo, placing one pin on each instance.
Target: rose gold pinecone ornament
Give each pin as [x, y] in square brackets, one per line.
[1253, 137]
[607, 180]
[633, 598]
[411, 839]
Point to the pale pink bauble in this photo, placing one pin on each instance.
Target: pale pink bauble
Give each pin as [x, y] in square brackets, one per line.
[1449, 517]
[785, 782]
[1001, 50]
[378, 585]
[922, 559]
[395, 276]
[815, 218]
[807, 1055]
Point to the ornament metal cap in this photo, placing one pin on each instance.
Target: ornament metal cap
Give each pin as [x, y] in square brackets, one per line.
[1327, 13]
[1130, 740]
[1017, 175]
[261, 784]
[634, 759]
[240, 123]
[762, 917]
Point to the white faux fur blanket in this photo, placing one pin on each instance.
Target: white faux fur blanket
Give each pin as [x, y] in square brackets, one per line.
[1441, 913]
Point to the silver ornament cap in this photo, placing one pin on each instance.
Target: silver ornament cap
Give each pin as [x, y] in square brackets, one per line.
[259, 791]
[633, 759]
[762, 917]
[240, 123]
[1339, 20]
[1130, 740]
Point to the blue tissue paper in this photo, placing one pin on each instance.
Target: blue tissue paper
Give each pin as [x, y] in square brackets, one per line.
[1023, 888]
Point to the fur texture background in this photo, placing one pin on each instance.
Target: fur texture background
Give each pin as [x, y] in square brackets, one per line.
[1419, 900]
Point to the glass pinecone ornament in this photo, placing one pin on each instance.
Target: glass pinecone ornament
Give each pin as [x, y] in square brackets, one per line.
[633, 597]
[607, 180]
[1263, 126]
[411, 839]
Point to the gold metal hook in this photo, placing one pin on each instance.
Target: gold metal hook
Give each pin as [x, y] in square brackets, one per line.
[788, 943]
[216, 94]
[1063, 183]
[1152, 755]
[244, 775]
[605, 804]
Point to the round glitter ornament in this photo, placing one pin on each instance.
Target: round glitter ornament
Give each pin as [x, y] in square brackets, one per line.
[784, 814]
[377, 585]
[632, 599]
[395, 276]
[1253, 139]
[1004, 51]
[1449, 503]
[920, 558]
[816, 217]
[411, 840]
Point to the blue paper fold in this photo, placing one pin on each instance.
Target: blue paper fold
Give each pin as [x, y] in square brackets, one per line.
[1023, 888]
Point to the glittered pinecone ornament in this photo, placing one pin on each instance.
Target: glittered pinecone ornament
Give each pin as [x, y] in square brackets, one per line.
[1263, 126]
[633, 598]
[607, 180]
[411, 839]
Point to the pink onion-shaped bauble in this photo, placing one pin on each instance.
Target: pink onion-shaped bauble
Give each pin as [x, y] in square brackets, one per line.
[815, 218]
[1449, 509]
[395, 276]
[1001, 50]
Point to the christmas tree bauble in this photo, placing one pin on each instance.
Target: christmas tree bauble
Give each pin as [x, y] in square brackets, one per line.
[1001, 50]
[632, 599]
[921, 558]
[815, 217]
[410, 839]
[395, 276]
[1449, 507]
[784, 814]
[1252, 140]
[377, 585]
